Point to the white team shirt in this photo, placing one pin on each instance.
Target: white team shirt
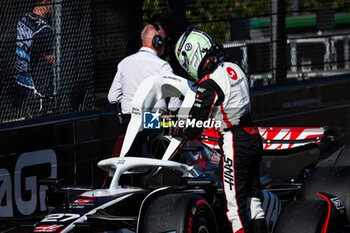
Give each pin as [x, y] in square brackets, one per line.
[132, 70]
[234, 84]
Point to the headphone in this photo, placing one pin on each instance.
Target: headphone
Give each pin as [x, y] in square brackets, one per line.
[157, 40]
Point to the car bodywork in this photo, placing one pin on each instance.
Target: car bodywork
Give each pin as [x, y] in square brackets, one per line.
[185, 167]
[120, 206]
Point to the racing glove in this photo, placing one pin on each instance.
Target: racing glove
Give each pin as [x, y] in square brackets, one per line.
[178, 132]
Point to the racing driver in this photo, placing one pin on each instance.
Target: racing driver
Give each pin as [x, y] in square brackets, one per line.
[223, 94]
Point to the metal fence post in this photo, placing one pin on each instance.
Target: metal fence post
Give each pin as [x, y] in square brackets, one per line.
[278, 41]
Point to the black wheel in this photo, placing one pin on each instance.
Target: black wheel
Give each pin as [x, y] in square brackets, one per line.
[332, 180]
[200, 225]
[181, 213]
[302, 216]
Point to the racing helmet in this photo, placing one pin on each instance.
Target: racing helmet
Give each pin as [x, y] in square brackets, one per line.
[190, 50]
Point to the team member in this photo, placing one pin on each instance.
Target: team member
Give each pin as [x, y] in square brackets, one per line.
[132, 70]
[34, 61]
[223, 94]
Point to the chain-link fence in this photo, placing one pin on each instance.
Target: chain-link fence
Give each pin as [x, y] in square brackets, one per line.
[65, 53]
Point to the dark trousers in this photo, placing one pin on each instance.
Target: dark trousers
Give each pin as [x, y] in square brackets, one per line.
[242, 149]
[32, 105]
[143, 140]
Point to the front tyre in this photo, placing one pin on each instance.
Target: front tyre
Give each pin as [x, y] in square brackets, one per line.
[199, 223]
[180, 213]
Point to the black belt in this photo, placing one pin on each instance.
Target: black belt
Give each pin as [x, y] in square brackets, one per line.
[244, 121]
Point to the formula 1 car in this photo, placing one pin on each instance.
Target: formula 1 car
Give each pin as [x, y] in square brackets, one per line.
[180, 190]
[152, 195]
[185, 195]
[301, 166]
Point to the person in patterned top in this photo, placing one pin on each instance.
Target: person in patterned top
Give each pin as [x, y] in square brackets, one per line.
[35, 62]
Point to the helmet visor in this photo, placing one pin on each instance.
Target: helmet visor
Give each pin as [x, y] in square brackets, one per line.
[185, 62]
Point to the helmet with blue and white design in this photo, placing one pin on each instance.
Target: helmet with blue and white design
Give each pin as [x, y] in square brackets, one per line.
[190, 50]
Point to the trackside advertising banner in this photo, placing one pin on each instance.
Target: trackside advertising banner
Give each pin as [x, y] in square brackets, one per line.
[20, 191]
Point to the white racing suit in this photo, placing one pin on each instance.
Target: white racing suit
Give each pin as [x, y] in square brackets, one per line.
[223, 94]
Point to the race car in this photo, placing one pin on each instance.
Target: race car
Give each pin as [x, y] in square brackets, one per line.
[185, 195]
[152, 195]
[179, 190]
